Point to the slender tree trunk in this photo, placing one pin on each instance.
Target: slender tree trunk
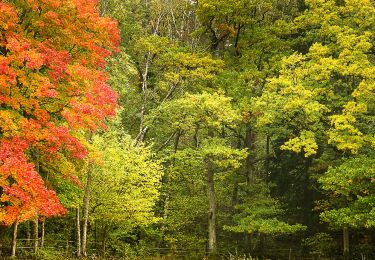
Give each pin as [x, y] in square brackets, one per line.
[35, 235]
[267, 160]
[144, 75]
[78, 226]
[165, 182]
[14, 240]
[36, 221]
[105, 231]
[250, 145]
[43, 234]
[86, 205]
[2, 236]
[96, 234]
[211, 210]
[28, 233]
[235, 184]
[44, 220]
[249, 171]
[212, 246]
[235, 192]
[345, 233]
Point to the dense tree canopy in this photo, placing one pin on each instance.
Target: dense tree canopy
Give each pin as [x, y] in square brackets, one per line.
[242, 128]
[52, 85]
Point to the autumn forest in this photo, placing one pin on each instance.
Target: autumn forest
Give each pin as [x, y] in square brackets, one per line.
[187, 129]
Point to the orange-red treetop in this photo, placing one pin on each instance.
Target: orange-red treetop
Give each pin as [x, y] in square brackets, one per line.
[52, 83]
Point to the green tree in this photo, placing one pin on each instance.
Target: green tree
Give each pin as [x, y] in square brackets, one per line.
[320, 106]
[125, 185]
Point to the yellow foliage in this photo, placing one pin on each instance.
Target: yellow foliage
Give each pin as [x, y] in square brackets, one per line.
[306, 142]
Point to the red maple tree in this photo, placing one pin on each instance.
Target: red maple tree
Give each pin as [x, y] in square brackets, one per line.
[52, 84]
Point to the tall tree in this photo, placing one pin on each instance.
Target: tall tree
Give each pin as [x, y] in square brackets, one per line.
[52, 55]
[320, 105]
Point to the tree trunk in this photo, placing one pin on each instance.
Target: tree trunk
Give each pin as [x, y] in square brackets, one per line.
[35, 235]
[235, 192]
[36, 221]
[345, 233]
[211, 210]
[96, 235]
[2, 236]
[105, 231]
[44, 220]
[43, 234]
[78, 226]
[212, 247]
[165, 182]
[28, 233]
[250, 145]
[86, 205]
[14, 240]
[235, 184]
[267, 160]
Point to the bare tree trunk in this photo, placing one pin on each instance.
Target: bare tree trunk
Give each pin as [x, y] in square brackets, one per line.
[14, 240]
[267, 160]
[235, 193]
[345, 233]
[96, 234]
[28, 233]
[36, 222]
[144, 75]
[165, 182]
[212, 247]
[105, 231]
[86, 205]
[44, 220]
[211, 210]
[236, 180]
[2, 236]
[78, 225]
[35, 235]
[43, 234]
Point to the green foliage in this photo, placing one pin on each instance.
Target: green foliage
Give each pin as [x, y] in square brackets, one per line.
[193, 115]
[260, 213]
[320, 245]
[322, 87]
[275, 99]
[126, 180]
[352, 185]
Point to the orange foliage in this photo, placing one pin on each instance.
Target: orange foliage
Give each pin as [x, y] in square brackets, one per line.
[52, 83]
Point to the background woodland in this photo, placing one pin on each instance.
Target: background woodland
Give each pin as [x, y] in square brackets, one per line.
[181, 128]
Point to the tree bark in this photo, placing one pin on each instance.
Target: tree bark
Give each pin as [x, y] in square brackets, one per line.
[250, 145]
[2, 237]
[43, 234]
[212, 246]
[267, 160]
[345, 236]
[86, 205]
[28, 233]
[35, 235]
[235, 184]
[211, 210]
[105, 231]
[78, 226]
[36, 222]
[96, 234]
[14, 240]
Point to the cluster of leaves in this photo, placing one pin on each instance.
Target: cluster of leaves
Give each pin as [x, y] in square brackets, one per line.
[352, 185]
[323, 99]
[253, 109]
[53, 85]
[125, 182]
